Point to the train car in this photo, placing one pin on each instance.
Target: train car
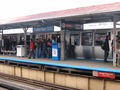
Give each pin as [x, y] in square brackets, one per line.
[86, 44]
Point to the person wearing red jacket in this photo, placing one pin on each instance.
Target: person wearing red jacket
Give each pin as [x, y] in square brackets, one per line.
[32, 47]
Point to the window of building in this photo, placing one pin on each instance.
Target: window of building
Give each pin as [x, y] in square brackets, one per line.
[87, 38]
[75, 39]
[99, 38]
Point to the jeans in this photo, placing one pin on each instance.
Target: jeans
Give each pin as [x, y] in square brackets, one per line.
[40, 52]
[31, 54]
[43, 54]
[37, 53]
[49, 51]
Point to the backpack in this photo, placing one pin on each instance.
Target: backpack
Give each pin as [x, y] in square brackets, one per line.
[49, 44]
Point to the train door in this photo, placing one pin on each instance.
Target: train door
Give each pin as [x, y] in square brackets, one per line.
[87, 45]
[72, 43]
[99, 38]
[79, 45]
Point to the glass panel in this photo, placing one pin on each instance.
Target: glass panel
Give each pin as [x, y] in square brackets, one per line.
[75, 39]
[99, 38]
[87, 39]
[119, 34]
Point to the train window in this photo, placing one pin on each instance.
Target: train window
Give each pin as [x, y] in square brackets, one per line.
[75, 39]
[119, 34]
[109, 34]
[87, 39]
[99, 38]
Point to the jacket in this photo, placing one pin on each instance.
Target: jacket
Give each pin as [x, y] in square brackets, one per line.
[32, 45]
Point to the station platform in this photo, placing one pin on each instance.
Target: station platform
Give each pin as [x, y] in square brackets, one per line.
[75, 64]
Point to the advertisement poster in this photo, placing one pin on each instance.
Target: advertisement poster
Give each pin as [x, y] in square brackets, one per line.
[54, 52]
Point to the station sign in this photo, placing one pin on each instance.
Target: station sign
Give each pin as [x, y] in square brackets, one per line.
[103, 74]
[43, 29]
[71, 26]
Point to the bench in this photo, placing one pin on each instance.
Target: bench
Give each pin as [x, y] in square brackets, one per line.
[9, 52]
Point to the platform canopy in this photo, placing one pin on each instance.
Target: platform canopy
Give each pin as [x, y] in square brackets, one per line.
[97, 13]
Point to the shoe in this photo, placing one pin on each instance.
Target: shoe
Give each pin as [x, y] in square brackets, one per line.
[105, 61]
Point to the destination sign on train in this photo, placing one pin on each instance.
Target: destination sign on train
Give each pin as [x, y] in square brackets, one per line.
[72, 26]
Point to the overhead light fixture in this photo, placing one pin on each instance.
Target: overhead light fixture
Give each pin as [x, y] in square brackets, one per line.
[87, 19]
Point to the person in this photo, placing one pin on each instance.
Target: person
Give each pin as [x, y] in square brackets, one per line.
[44, 48]
[117, 45]
[106, 48]
[112, 48]
[6, 43]
[40, 47]
[32, 46]
[49, 49]
[117, 48]
[22, 41]
[37, 48]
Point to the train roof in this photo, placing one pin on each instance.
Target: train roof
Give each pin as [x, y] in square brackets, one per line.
[96, 13]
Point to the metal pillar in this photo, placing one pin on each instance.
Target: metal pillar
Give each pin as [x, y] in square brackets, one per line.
[62, 42]
[2, 39]
[114, 41]
[62, 45]
[25, 38]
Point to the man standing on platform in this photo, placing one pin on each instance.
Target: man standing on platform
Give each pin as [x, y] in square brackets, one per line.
[106, 48]
[37, 48]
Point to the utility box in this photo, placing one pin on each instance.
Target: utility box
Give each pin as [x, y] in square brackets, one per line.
[55, 51]
[21, 50]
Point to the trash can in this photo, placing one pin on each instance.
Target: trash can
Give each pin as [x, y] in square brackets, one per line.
[55, 51]
[21, 50]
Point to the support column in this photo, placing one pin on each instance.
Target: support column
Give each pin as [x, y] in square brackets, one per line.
[2, 39]
[114, 41]
[62, 45]
[93, 43]
[25, 37]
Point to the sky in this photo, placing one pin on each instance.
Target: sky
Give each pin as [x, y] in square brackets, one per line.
[15, 8]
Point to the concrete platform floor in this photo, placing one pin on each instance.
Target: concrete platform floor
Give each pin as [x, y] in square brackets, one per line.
[88, 63]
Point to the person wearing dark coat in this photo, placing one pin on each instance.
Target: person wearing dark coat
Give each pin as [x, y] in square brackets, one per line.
[37, 48]
[106, 48]
[44, 48]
